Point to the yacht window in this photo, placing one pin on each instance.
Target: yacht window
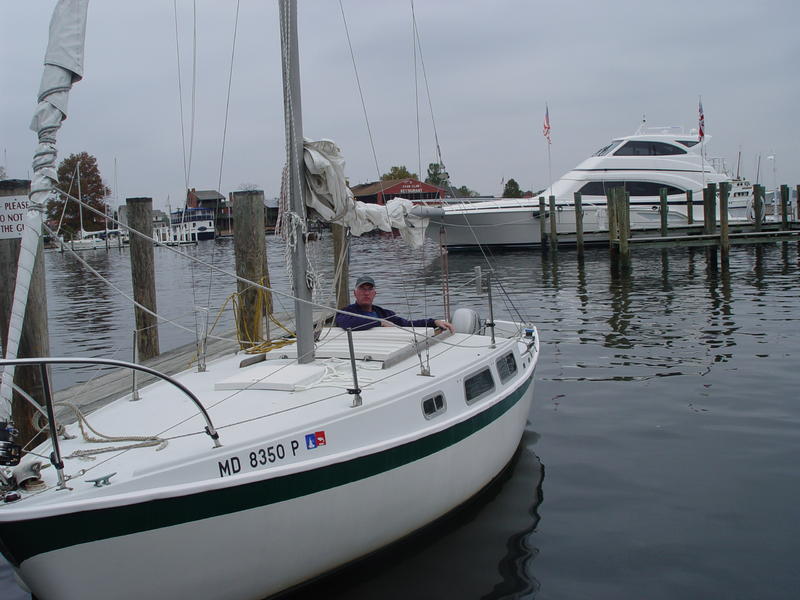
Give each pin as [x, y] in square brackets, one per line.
[688, 143]
[606, 149]
[435, 405]
[642, 148]
[634, 188]
[478, 385]
[507, 367]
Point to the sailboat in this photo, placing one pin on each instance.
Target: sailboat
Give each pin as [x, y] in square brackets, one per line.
[257, 474]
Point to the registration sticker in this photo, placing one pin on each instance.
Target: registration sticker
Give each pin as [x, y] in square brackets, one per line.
[315, 439]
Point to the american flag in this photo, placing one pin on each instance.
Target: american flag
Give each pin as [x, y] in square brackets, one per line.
[701, 130]
[546, 128]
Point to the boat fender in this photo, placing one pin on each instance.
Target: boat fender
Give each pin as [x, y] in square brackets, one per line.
[466, 320]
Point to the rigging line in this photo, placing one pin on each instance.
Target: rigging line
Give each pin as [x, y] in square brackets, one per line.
[123, 294]
[416, 86]
[361, 95]
[180, 95]
[232, 275]
[221, 162]
[418, 43]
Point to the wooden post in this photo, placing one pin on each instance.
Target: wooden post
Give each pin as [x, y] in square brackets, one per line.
[249, 245]
[140, 218]
[797, 198]
[784, 207]
[758, 206]
[710, 208]
[34, 340]
[620, 213]
[611, 208]
[553, 225]
[724, 240]
[578, 223]
[341, 267]
[689, 208]
[542, 226]
[662, 193]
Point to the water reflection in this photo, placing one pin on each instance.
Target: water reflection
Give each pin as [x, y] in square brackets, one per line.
[485, 549]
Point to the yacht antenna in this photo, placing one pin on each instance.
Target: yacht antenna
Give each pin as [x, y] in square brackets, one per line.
[738, 163]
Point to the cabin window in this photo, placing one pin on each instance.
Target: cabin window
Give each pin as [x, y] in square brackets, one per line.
[606, 149]
[688, 143]
[479, 385]
[642, 148]
[634, 188]
[506, 367]
[433, 406]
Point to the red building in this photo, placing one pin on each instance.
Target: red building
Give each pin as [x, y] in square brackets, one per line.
[378, 192]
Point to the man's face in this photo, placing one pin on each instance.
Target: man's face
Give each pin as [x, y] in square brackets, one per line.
[365, 294]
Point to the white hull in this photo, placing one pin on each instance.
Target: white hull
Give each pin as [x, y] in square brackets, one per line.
[185, 521]
[643, 163]
[257, 552]
[520, 226]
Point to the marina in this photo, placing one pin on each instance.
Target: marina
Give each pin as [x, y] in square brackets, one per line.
[658, 459]
[585, 391]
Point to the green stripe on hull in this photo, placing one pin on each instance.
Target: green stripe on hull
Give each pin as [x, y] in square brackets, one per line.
[23, 539]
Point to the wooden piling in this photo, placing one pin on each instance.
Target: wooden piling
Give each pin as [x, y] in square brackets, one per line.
[249, 245]
[664, 208]
[341, 266]
[710, 208]
[553, 225]
[34, 340]
[542, 226]
[784, 207]
[724, 240]
[689, 208]
[758, 206]
[613, 233]
[797, 208]
[578, 223]
[621, 211]
[140, 218]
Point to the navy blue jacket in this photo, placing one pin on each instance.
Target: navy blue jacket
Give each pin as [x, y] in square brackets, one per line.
[351, 322]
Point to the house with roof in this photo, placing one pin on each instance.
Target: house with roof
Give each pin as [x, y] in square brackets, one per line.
[378, 192]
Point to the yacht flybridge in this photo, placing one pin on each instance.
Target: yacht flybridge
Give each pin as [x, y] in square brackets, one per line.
[257, 472]
[642, 163]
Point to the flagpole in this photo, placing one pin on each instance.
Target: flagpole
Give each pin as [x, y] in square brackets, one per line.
[546, 133]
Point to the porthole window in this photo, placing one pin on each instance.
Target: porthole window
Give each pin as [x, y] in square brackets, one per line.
[479, 385]
[433, 406]
[507, 367]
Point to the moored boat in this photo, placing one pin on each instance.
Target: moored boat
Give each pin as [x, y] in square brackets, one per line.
[257, 473]
[643, 163]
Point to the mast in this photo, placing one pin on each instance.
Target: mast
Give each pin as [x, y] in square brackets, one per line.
[80, 197]
[290, 62]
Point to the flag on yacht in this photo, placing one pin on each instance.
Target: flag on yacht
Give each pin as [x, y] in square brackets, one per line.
[546, 129]
[701, 129]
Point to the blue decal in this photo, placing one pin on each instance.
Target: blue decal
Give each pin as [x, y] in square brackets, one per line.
[311, 441]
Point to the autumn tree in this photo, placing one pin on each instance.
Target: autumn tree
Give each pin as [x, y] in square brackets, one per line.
[79, 171]
[398, 172]
[512, 190]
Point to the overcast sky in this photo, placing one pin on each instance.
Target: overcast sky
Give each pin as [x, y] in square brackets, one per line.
[491, 66]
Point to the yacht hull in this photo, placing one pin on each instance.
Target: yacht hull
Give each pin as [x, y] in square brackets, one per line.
[272, 534]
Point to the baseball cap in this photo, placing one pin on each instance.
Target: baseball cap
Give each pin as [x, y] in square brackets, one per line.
[365, 279]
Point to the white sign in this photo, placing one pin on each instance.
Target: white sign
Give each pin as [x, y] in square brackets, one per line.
[12, 216]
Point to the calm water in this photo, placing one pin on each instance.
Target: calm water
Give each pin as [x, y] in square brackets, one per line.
[660, 455]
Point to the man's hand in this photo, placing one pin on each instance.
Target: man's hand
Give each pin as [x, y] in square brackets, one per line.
[442, 324]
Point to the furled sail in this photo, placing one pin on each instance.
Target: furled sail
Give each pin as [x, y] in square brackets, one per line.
[329, 198]
[63, 66]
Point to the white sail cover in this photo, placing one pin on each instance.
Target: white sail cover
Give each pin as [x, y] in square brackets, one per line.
[328, 196]
[63, 66]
